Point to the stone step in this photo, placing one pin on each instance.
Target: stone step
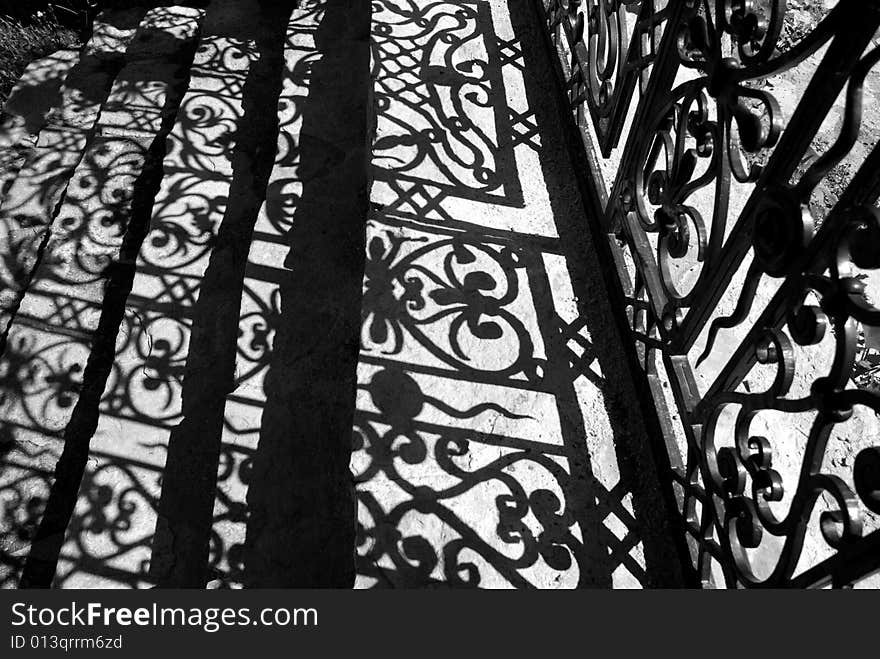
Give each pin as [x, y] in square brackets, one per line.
[260, 310]
[49, 141]
[68, 312]
[488, 450]
[156, 411]
[235, 287]
[25, 112]
[299, 528]
[142, 402]
[64, 90]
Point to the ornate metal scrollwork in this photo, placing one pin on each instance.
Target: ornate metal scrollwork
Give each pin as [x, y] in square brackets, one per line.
[714, 178]
[446, 308]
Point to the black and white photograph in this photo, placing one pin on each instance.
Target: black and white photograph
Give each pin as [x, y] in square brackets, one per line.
[438, 295]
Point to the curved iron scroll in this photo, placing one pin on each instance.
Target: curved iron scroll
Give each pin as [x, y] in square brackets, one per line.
[743, 220]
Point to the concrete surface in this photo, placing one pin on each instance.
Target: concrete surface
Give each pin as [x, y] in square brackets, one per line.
[305, 317]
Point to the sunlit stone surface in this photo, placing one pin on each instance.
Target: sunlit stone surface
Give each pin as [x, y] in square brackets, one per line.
[483, 449]
[142, 401]
[201, 331]
[60, 312]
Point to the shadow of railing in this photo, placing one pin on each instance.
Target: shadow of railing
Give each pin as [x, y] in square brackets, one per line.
[300, 530]
[128, 311]
[205, 384]
[498, 441]
[73, 301]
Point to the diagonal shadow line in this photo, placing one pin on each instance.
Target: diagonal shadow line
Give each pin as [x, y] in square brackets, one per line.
[300, 530]
[180, 546]
[579, 490]
[584, 495]
[91, 78]
[42, 560]
[635, 429]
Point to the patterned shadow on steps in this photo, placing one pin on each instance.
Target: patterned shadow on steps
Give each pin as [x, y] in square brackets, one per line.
[144, 507]
[497, 439]
[201, 468]
[183, 479]
[277, 286]
[60, 342]
[300, 507]
[48, 143]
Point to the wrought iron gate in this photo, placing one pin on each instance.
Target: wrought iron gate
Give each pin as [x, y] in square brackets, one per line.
[747, 244]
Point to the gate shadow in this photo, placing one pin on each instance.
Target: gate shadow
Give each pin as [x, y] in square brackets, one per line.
[498, 438]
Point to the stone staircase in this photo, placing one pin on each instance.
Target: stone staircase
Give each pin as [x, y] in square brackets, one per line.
[304, 295]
